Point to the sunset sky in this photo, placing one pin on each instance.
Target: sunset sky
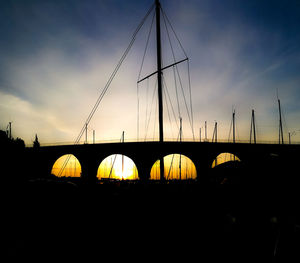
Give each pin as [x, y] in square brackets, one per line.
[57, 55]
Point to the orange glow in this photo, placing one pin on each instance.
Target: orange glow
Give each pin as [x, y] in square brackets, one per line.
[223, 158]
[172, 171]
[117, 166]
[72, 168]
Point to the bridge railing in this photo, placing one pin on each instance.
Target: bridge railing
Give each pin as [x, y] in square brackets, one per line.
[153, 140]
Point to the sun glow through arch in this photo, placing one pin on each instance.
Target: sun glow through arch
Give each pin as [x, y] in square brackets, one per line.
[72, 168]
[223, 158]
[118, 167]
[177, 167]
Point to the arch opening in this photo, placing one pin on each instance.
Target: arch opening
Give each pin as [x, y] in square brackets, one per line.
[225, 159]
[117, 167]
[176, 167]
[70, 164]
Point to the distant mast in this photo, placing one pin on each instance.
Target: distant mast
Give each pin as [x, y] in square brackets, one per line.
[280, 125]
[252, 128]
[233, 126]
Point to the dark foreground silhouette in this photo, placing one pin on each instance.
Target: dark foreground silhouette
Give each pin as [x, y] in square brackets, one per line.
[236, 215]
[150, 221]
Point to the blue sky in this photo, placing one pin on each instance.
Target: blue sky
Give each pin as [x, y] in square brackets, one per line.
[56, 56]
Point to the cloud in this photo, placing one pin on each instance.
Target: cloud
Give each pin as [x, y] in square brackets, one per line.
[28, 119]
[58, 64]
[58, 96]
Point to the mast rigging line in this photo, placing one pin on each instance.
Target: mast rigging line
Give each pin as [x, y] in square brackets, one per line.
[102, 94]
[148, 119]
[115, 157]
[165, 18]
[175, 70]
[140, 71]
[171, 166]
[167, 95]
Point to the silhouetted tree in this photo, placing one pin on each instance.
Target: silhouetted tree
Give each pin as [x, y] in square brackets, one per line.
[19, 143]
[3, 137]
[13, 158]
[36, 143]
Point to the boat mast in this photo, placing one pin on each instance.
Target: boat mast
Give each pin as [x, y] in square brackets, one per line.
[200, 134]
[252, 128]
[86, 127]
[280, 124]
[159, 72]
[205, 124]
[159, 83]
[215, 133]
[233, 126]
[180, 139]
[123, 139]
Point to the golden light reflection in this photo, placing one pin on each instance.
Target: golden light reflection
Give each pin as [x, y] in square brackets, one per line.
[72, 167]
[177, 167]
[117, 166]
[223, 158]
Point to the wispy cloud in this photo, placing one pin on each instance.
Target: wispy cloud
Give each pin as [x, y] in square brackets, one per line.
[56, 60]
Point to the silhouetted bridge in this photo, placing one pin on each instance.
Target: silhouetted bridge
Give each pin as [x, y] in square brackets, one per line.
[255, 157]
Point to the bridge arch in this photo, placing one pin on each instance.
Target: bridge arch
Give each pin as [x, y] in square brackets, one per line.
[177, 167]
[66, 165]
[119, 167]
[227, 158]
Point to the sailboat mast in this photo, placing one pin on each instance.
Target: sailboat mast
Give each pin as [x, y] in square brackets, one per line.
[123, 139]
[86, 133]
[252, 128]
[180, 138]
[280, 124]
[233, 126]
[159, 72]
[159, 84]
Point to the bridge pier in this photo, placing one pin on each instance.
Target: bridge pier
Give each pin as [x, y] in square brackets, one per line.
[90, 163]
[89, 169]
